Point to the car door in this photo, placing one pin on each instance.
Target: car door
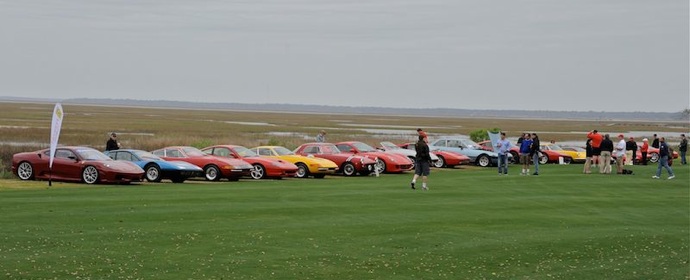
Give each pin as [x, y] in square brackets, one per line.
[66, 165]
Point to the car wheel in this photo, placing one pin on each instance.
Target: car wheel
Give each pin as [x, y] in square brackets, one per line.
[25, 171]
[441, 162]
[567, 160]
[212, 173]
[543, 158]
[654, 157]
[483, 161]
[380, 165]
[90, 175]
[302, 170]
[515, 159]
[349, 169]
[153, 173]
[259, 172]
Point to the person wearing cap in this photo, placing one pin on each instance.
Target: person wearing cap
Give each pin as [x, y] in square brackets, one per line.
[643, 151]
[112, 143]
[620, 153]
[321, 137]
[630, 151]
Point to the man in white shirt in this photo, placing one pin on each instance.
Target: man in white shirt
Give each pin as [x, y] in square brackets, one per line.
[620, 153]
[503, 150]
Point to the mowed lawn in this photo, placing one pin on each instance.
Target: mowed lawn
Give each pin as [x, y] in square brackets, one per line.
[472, 224]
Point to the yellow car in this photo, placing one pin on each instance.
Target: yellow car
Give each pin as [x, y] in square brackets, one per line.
[306, 166]
[579, 156]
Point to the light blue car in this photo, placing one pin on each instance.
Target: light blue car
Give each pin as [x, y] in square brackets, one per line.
[464, 145]
[157, 168]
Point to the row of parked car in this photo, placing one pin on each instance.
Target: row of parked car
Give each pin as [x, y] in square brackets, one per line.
[232, 162]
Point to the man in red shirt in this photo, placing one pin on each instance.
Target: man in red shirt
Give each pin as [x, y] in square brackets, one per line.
[596, 143]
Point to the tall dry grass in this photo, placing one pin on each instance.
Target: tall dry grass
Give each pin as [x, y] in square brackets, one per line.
[148, 129]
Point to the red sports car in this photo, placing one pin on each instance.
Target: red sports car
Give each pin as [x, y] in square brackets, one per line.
[263, 167]
[78, 164]
[349, 163]
[386, 162]
[214, 167]
[545, 156]
[445, 158]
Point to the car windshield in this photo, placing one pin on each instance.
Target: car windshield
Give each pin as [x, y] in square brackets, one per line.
[283, 151]
[244, 152]
[193, 152]
[556, 147]
[363, 147]
[146, 155]
[329, 149]
[390, 146]
[91, 154]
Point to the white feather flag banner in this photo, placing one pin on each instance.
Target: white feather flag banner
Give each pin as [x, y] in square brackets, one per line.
[55, 131]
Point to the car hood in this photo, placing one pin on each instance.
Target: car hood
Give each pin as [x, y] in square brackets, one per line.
[115, 165]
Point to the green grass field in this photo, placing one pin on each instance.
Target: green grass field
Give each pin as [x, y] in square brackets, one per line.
[472, 224]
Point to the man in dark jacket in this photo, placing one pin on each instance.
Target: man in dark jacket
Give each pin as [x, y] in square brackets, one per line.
[631, 151]
[655, 142]
[663, 160]
[112, 143]
[605, 158]
[534, 152]
[683, 148]
[423, 162]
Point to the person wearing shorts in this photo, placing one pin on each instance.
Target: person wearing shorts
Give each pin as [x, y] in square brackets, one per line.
[422, 163]
[524, 153]
[596, 143]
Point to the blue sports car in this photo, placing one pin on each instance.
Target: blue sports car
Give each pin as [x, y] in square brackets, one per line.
[463, 145]
[157, 168]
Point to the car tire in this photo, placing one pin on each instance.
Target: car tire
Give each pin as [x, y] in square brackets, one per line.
[515, 159]
[543, 158]
[349, 169]
[654, 157]
[483, 160]
[380, 165]
[212, 173]
[441, 162]
[153, 173]
[259, 172]
[89, 175]
[302, 170]
[25, 171]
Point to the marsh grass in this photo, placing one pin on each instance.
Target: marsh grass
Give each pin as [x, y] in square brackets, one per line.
[150, 129]
[473, 224]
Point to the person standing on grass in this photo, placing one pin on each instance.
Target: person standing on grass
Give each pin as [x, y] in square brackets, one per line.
[620, 153]
[112, 143]
[683, 148]
[422, 163]
[643, 151]
[663, 160]
[630, 151]
[596, 150]
[606, 147]
[588, 157]
[655, 142]
[321, 137]
[534, 152]
[524, 153]
[503, 146]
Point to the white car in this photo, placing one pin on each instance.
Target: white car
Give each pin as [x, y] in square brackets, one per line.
[411, 154]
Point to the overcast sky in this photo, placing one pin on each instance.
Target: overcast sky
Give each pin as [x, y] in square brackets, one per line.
[581, 55]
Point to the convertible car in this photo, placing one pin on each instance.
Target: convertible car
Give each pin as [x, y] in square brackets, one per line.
[349, 164]
[445, 158]
[214, 167]
[465, 146]
[157, 168]
[76, 164]
[263, 167]
[386, 162]
[306, 166]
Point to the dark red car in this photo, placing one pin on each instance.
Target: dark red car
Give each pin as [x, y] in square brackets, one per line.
[263, 167]
[348, 163]
[76, 164]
